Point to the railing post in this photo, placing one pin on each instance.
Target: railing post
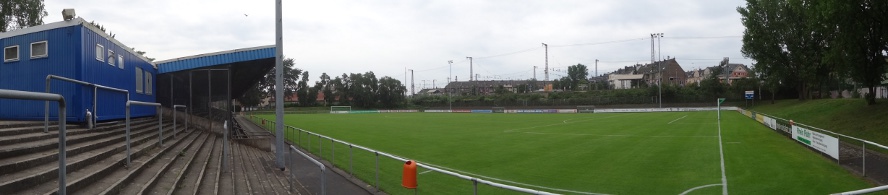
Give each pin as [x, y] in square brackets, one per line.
[350, 160]
[475, 184]
[174, 121]
[160, 127]
[292, 176]
[377, 170]
[332, 152]
[128, 163]
[864, 159]
[320, 146]
[323, 180]
[225, 147]
[62, 151]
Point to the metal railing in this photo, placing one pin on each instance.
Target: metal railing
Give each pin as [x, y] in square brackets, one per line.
[785, 127]
[24, 95]
[475, 180]
[95, 116]
[320, 165]
[159, 126]
[175, 130]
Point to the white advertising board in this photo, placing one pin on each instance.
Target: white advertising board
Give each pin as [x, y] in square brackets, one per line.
[819, 141]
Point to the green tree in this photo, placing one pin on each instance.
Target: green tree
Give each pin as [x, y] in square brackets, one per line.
[577, 75]
[252, 97]
[326, 87]
[17, 14]
[343, 88]
[304, 92]
[291, 79]
[859, 39]
[712, 86]
[391, 92]
[784, 39]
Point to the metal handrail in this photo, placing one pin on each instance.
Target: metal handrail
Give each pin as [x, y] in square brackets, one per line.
[478, 180]
[320, 165]
[95, 117]
[159, 127]
[861, 191]
[175, 130]
[824, 130]
[24, 95]
[864, 191]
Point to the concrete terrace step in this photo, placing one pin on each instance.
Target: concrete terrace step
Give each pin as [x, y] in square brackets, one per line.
[34, 136]
[41, 178]
[190, 179]
[52, 143]
[171, 179]
[23, 162]
[257, 172]
[146, 175]
[114, 170]
[272, 178]
[212, 179]
[23, 129]
[240, 176]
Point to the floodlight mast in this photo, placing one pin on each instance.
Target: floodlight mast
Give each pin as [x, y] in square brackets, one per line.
[449, 93]
[279, 86]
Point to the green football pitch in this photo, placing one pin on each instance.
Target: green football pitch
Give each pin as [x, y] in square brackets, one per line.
[618, 153]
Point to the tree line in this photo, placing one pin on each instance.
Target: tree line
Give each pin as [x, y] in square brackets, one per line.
[806, 44]
[352, 89]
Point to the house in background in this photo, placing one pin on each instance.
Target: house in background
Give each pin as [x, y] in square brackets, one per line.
[731, 73]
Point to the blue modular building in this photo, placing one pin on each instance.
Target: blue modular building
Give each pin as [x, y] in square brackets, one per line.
[77, 50]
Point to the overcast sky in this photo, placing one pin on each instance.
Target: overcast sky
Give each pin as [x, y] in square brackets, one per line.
[388, 36]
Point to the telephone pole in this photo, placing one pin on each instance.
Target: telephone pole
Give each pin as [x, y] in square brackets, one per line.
[547, 61]
[470, 69]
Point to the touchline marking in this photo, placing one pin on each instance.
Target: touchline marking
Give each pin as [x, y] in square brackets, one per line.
[513, 182]
[670, 122]
[698, 187]
[424, 172]
[721, 153]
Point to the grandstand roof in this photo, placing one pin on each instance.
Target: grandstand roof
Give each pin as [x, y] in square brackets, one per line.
[247, 67]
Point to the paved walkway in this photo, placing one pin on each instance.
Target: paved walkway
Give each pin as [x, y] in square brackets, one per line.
[308, 174]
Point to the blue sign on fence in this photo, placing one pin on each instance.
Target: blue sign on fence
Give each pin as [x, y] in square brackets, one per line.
[750, 95]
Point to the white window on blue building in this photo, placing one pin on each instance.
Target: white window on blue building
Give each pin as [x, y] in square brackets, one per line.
[39, 49]
[148, 83]
[120, 61]
[138, 80]
[100, 52]
[11, 53]
[111, 58]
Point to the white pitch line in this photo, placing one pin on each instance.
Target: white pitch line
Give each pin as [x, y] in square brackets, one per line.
[424, 172]
[721, 152]
[698, 187]
[670, 122]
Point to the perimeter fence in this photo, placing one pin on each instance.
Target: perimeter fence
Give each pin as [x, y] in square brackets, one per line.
[384, 174]
[863, 157]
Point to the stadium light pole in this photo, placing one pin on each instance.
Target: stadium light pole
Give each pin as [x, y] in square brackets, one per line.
[449, 93]
[659, 70]
[279, 86]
